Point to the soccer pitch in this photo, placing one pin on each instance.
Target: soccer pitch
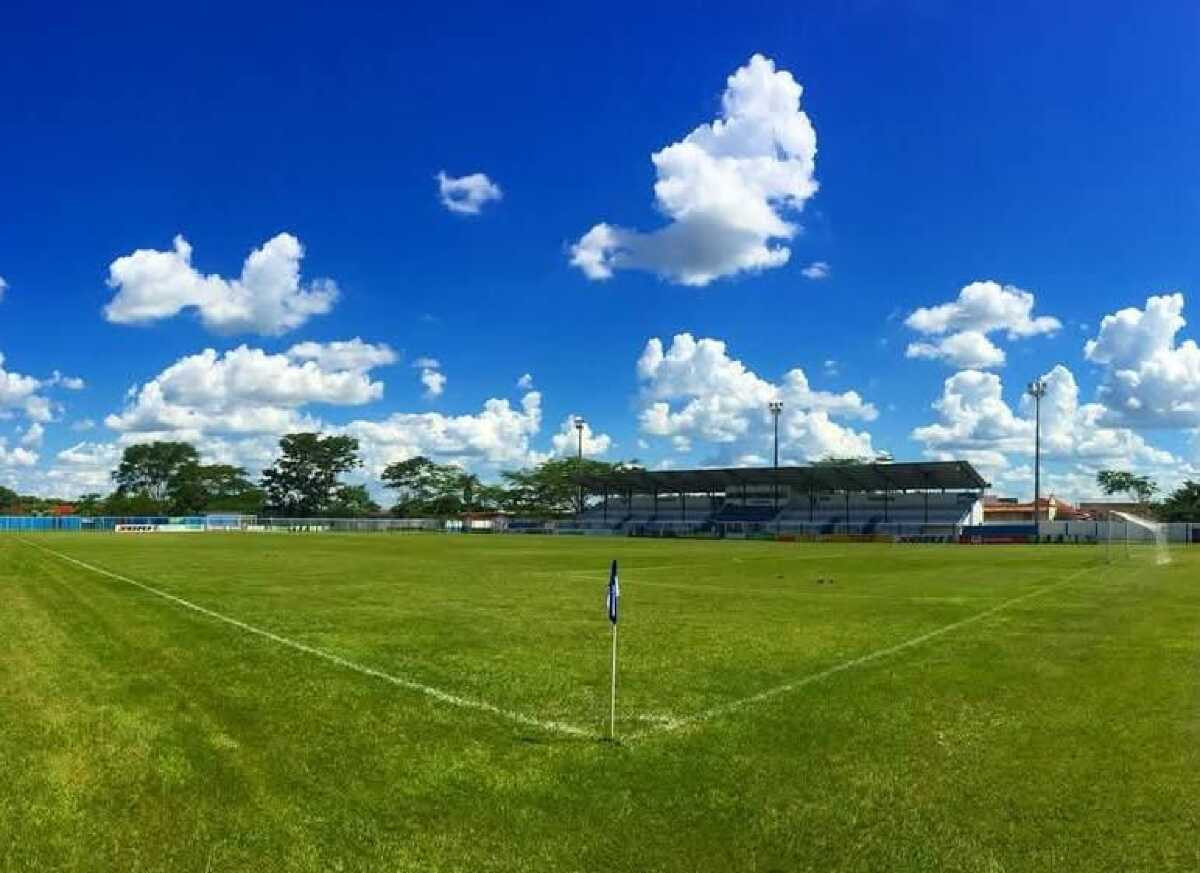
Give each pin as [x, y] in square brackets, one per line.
[425, 702]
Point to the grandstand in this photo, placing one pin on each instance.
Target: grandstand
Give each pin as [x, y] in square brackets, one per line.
[907, 499]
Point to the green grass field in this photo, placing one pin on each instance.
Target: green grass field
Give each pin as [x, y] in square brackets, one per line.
[933, 708]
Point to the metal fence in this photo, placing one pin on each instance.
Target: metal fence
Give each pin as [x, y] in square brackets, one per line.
[1077, 532]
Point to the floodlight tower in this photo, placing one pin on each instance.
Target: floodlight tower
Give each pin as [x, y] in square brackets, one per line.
[1037, 390]
[776, 407]
[579, 425]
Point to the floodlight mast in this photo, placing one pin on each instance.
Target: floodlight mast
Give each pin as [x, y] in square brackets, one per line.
[579, 425]
[1037, 390]
[776, 407]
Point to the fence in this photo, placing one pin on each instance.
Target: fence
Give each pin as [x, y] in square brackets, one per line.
[1080, 532]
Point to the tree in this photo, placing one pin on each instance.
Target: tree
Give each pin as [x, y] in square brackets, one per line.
[1139, 488]
[90, 504]
[304, 480]
[428, 488]
[8, 499]
[551, 487]
[352, 501]
[150, 469]
[1183, 504]
[198, 487]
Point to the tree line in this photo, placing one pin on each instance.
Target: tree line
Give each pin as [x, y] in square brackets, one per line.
[1183, 504]
[168, 478]
[306, 480]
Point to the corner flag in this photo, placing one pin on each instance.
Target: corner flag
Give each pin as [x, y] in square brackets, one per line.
[614, 601]
[614, 594]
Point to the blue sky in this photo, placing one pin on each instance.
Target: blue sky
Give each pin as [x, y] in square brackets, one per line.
[1047, 148]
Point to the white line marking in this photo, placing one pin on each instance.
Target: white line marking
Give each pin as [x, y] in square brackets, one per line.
[436, 693]
[732, 706]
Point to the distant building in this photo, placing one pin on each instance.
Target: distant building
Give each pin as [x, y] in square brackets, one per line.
[1009, 510]
[1103, 509]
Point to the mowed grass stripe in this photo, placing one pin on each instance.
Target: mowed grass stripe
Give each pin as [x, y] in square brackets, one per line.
[409, 684]
[788, 687]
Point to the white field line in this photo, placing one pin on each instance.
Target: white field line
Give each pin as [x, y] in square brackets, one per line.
[635, 583]
[732, 706]
[438, 694]
[630, 569]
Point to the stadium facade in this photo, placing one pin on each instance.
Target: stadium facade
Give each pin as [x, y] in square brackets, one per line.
[937, 499]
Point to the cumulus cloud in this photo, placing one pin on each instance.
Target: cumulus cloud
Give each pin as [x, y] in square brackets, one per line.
[33, 435]
[963, 325]
[268, 298]
[816, 270]
[23, 394]
[16, 389]
[71, 383]
[525, 383]
[246, 391]
[725, 187]
[975, 423]
[1149, 380]
[969, 348]
[695, 391]
[351, 354]
[467, 195]
[17, 456]
[431, 376]
[566, 441]
[499, 434]
[434, 382]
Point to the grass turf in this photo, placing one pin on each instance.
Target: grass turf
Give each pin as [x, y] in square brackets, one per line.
[1055, 725]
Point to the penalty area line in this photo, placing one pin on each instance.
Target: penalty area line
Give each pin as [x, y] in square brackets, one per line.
[795, 684]
[438, 694]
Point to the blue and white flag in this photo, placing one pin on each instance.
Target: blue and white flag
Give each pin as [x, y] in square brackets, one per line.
[614, 594]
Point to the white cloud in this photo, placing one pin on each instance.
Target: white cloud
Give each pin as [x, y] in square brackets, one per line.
[3, 287]
[499, 434]
[525, 383]
[71, 383]
[725, 188]
[566, 441]
[81, 469]
[33, 435]
[434, 382]
[268, 298]
[976, 424]
[83, 424]
[16, 457]
[431, 376]
[969, 349]
[964, 324]
[1149, 380]
[694, 390]
[816, 270]
[16, 390]
[246, 391]
[467, 195]
[40, 409]
[351, 354]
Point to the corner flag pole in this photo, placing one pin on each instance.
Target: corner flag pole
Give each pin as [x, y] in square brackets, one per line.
[612, 713]
[613, 602]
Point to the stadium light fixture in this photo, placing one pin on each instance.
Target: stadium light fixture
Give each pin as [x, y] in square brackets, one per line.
[1037, 390]
[579, 425]
[776, 407]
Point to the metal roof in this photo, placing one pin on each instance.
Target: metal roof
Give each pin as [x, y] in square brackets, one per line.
[919, 476]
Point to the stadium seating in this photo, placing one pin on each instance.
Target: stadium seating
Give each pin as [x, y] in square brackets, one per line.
[829, 513]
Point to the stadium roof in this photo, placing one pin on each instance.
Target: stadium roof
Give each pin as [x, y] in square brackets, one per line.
[921, 476]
